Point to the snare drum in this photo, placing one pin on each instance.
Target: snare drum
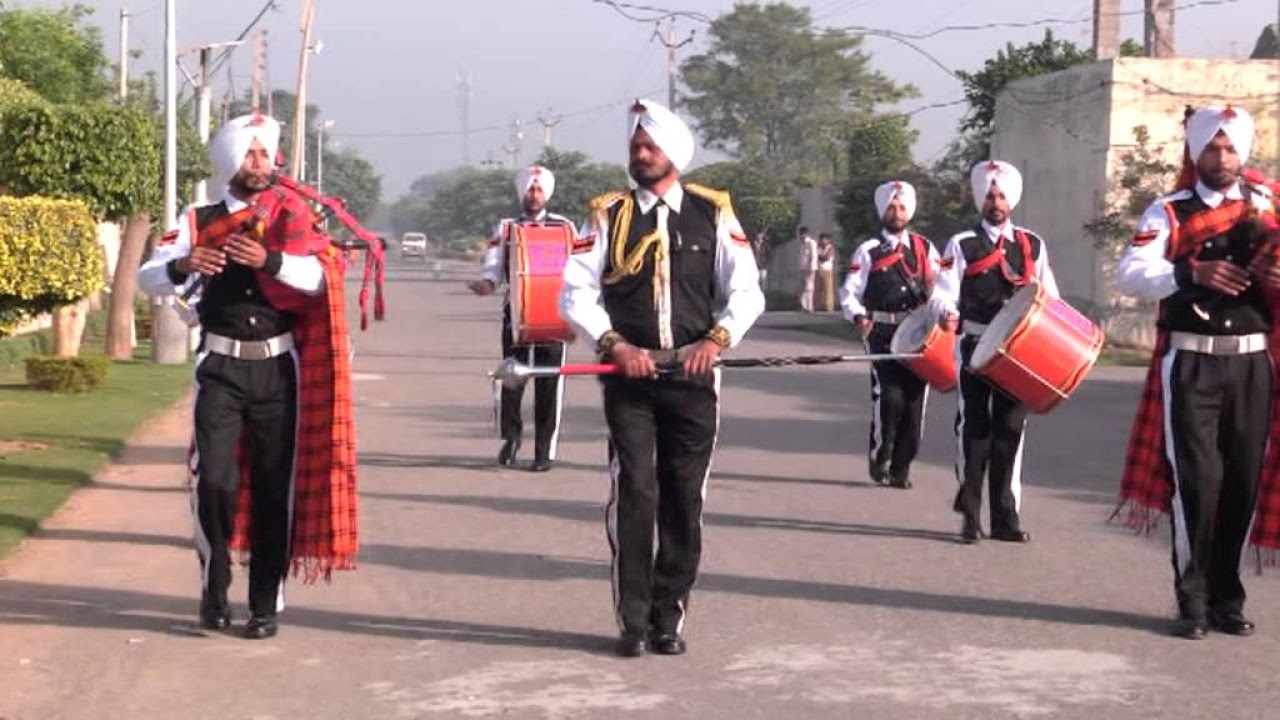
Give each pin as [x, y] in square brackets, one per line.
[920, 334]
[1037, 349]
[536, 256]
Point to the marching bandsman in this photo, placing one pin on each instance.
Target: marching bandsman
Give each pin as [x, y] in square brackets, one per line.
[979, 271]
[534, 187]
[274, 453]
[1198, 442]
[889, 276]
[662, 275]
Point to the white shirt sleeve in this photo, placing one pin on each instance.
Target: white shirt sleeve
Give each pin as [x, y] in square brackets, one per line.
[153, 276]
[945, 297]
[580, 302]
[737, 280]
[1144, 271]
[492, 268]
[856, 282]
[1044, 271]
[303, 273]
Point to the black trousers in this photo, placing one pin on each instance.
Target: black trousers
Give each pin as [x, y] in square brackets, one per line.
[661, 437]
[989, 430]
[256, 398]
[1218, 412]
[898, 398]
[548, 393]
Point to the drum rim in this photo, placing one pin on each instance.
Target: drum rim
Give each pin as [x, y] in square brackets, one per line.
[922, 315]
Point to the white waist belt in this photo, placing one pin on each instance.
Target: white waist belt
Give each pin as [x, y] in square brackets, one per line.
[1218, 344]
[969, 327]
[888, 318]
[249, 349]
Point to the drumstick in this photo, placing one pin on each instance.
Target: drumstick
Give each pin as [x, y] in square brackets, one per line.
[513, 373]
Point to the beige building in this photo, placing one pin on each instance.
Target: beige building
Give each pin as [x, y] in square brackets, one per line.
[1069, 131]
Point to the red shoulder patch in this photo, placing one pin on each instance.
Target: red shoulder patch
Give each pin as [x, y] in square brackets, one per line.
[583, 244]
[855, 267]
[168, 238]
[1145, 237]
[947, 263]
[740, 240]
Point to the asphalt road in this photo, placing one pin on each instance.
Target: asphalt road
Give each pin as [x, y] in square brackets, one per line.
[484, 592]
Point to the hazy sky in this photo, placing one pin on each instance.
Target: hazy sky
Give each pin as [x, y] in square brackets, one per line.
[388, 68]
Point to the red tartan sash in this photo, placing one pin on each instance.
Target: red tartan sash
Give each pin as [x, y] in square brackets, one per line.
[1146, 488]
[325, 514]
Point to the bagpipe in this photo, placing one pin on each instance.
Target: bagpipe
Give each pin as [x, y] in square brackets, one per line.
[251, 222]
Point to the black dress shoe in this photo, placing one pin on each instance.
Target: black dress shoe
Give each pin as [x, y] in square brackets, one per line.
[971, 533]
[1017, 536]
[900, 483]
[215, 618]
[1231, 623]
[261, 627]
[667, 644]
[631, 645]
[507, 455]
[1190, 628]
[540, 465]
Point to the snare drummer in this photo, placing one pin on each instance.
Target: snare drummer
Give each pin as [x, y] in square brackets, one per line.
[534, 186]
[889, 276]
[1199, 440]
[980, 270]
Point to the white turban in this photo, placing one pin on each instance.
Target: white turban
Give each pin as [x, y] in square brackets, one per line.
[998, 173]
[1205, 124]
[668, 131]
[896, 188]
[543, 177]
[228, 148]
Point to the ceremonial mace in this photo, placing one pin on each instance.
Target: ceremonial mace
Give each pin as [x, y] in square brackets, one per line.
[512, 374]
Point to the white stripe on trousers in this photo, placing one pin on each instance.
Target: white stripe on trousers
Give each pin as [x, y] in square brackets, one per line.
[1181, 536]
[715, 439]
[555, 433]
[877, 422]
[204, 551]
[611, 532]
[959, 411]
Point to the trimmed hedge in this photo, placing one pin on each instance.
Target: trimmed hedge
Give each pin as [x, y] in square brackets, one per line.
[49, 256]
[101, 154]
[67, 374]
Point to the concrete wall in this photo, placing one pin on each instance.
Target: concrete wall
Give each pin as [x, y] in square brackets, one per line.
[1055, 130]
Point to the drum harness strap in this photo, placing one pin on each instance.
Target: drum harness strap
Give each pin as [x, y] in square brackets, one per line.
[920, 280]
[997, 257]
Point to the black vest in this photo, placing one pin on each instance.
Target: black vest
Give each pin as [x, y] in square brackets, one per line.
[232, 303]
[984, 294]
[630, 301]
[899, 287]
[1196, 309]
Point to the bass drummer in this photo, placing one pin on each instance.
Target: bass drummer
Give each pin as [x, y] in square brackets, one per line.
[534, 186]
[889, 276]
[980, 270]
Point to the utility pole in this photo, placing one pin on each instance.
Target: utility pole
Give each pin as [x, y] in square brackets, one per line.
[255, 101]
[300, 113]
[203, 97]
[464, 115]
[326, 125]
[548, 121]
[124, 55]
[673, 65]
[169, 334]
[515, 141]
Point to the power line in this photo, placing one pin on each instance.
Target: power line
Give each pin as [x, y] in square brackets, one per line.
[655, 14]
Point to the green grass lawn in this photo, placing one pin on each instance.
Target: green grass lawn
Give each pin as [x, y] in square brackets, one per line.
[74, 436]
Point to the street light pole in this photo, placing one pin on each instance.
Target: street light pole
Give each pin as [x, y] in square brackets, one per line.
[326, 125]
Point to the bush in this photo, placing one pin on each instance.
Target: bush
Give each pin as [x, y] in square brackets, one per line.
[67, 374]
[101, 154]
[49, 255]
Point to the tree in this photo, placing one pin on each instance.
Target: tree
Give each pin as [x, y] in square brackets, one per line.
[578, 181]
[879, 150]
[54, 54]
[775, 91]
[763, 203]
[349, 176]
[1012, 63]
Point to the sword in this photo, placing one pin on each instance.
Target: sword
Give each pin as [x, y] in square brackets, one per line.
[513, 374]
